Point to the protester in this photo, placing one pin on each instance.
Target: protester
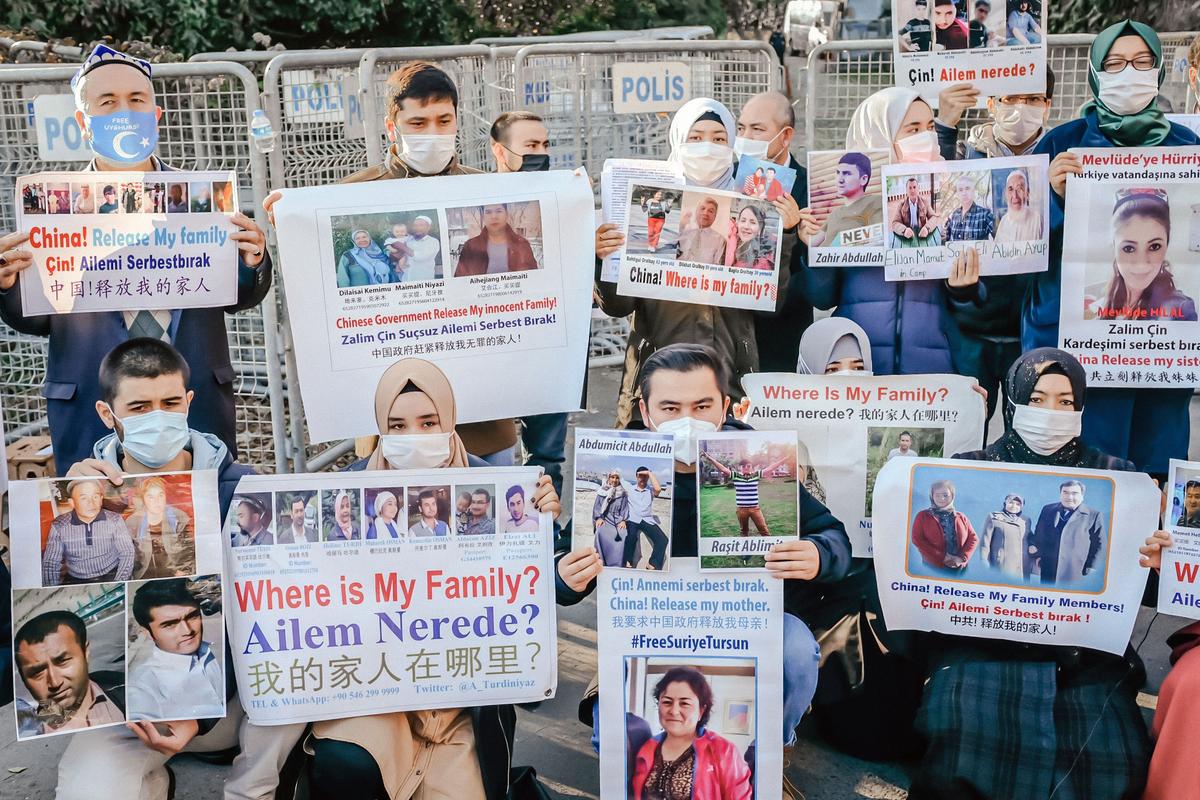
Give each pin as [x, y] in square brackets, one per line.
[1053, 719]
[520, 142]
[1018, 122]
[114, 90]
[1147, 426]
[497, 248]
[364, 264]
[942, 534]
[834, 345]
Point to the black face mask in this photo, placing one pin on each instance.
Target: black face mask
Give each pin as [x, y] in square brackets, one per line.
[535, 162]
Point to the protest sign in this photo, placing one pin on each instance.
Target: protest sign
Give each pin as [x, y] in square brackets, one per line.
[1128, 297]
[116, 582]
[663, 639]
[849, 426]
[932, 212]
[402, 590]
[128, 241]
[614, 189]
[1038, 554]
[747, 496]
[1177, 591]
[488, 276]
[999, 47]
[708, 247]
[624, 482]
[641, 87]
[845, 194]
[764, 180]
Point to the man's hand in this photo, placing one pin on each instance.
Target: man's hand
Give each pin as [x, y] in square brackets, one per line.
[954, 101]
[608, 240]
[545, 498]
[1064, 164]
[1152, 550]
[965, 271]
[12, 260]
[251, 239]
[175, 739]
[579, 567]
[96, 468]
[788, 210]
[809, 228]
[797, 560]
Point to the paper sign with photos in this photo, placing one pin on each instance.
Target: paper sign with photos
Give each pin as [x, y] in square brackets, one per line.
[764, 180]
[483, 275]
[1037, 554]
[1129, 288]
[119, 583]
[614, 187]
[845, 191]
[128, 241]
[998, 206]
[700, 246]
[367, 592]
[999, 46]
[1178, 594]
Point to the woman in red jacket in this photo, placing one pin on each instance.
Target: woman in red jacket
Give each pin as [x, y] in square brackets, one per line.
[944, 536]
[685, 761]
[497, 248]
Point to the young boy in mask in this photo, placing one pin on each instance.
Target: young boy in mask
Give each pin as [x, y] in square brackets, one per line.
[1016, 122]
[145, 402]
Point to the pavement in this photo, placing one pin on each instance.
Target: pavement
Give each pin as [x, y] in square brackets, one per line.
[551, 737]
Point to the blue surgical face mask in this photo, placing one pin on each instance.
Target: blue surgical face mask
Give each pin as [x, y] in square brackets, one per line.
[154, 438]
[126, 137]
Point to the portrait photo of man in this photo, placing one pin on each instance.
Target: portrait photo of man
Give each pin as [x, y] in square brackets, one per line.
[428, 520]
[702, 243]
[89, 543]
[858, 209]
[298, 521]
[517, 520]
[1068, 539]
[251, 518]
[970, 221]
[480, 513]
[904, 448]
[162, 534]
[1190, 516]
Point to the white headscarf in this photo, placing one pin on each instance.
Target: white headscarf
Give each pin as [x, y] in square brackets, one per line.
[819, 341]
[876, 120]
[682, 123]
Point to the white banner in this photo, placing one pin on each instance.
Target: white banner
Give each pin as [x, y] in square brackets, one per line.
[932, 212]
[845, 194]
[850, 426]
[112, 587]
[710, 247]
[688, 651]
[488, 276]
[1023, 553]
[614, 189]
[128, 241]
[398, 591]
[1128, 292]
[1177, 590]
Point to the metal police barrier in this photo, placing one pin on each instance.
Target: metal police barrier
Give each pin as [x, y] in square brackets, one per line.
[206, 111]
[841, 75]
[254, 60]
[572, 87]
[683, 32]
[64, 52]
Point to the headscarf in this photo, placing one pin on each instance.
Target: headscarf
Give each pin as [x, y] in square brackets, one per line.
[381, 500]
[823, 337]
[434, 383]
[949, 507]
[371, 258]
[611, 494]
[1019, 385]
[1147, 127]
[687, 116]
[876, 120]
[1004, 506]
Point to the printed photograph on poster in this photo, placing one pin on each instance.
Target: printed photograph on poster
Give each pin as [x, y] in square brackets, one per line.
[997, 45]
[624, 482]
[68, 658]
[884, 444]
[1178, 593]
[341, 515]
[375, 249]
[1018, 552]
[521, 516]
[495, 238]
[710, 247]
[746, 488]
[1128, 307]
[173, 621]
[429, 511]
[296, 518]
[998, 206]
[764, 180]
[249, 522]
[475, 509]
[845, 194]
[154, 254]
[614, 189]
[383, 506]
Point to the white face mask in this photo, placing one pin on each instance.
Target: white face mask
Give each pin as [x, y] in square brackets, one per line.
[685, 430]
[919, 148]
[1045, 430]
[416, 451]
[1018, 123]
[705, 162]
[154, 438]
[426, 153]
[1128, 91]
[754, 148]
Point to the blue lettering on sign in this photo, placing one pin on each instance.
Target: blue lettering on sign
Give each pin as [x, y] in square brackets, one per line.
[353, 107]
[659, 88]
[537, 92]
[316, 98]
[65, 129]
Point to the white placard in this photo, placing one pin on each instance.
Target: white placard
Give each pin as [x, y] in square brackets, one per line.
[614, 189]
[1177, 590]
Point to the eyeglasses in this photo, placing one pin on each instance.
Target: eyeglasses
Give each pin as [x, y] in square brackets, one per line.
[1116, 64]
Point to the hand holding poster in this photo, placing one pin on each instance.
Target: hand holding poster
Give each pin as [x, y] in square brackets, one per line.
[1177, 591]
[659, 656]
[850, 426]
[426, 590]
[999, 47]
[845, 194]
[624, 481]
[712, 248]
[1037, 554]
[128, 241]
[116, 582]
[491, 281]
[614, 188]
[999, 206]
[1128, 297]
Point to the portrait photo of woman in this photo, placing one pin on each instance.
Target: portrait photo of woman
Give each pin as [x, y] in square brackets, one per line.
[1006, 540]
[610, 513]
[943, 535]
[364, 264]
[748, 247]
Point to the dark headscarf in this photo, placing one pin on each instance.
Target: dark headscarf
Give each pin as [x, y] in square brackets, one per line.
[1019, 384]
[1147, 127]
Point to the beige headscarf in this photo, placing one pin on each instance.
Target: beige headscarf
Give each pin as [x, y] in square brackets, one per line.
[433, 382]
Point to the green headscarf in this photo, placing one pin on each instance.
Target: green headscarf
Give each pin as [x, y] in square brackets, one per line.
[1147, 127]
